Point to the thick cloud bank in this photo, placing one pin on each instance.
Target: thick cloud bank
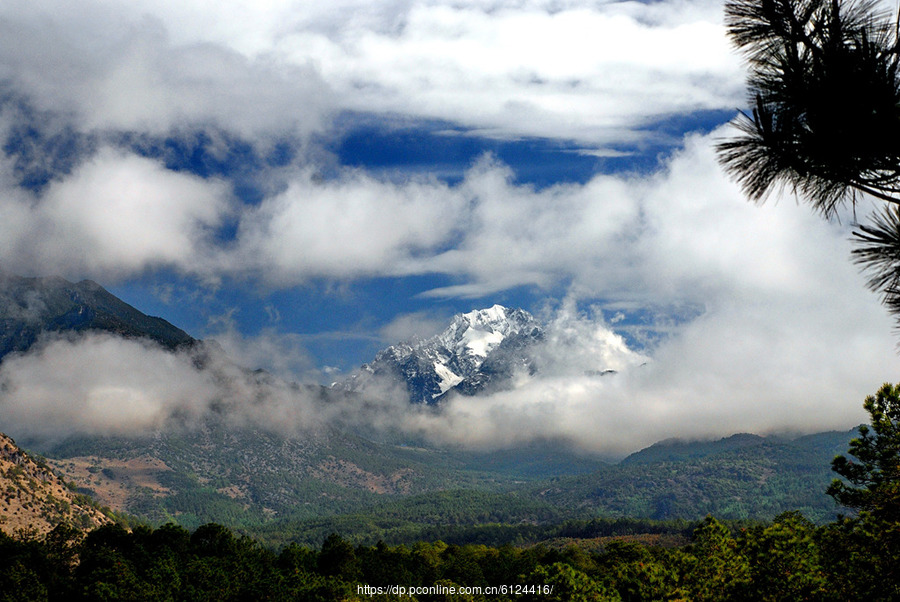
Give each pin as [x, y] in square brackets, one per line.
[100, 384]
[579, 70]
[684, 234]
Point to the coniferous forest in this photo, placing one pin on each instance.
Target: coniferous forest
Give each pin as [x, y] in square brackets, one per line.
[788, 559]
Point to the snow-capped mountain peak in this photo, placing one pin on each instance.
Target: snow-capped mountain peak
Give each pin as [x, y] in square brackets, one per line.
[479, 351]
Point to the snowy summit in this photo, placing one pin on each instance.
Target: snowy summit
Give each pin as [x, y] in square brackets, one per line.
[480, 351]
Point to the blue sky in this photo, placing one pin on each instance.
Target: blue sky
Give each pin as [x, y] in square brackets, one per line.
[308, 182]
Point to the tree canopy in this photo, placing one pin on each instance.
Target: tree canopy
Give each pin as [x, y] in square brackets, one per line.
[873, 473]
[824, 85]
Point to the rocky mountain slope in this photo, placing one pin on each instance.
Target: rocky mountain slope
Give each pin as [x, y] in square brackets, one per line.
[34, 499]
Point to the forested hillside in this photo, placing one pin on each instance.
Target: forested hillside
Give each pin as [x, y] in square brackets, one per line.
[247, 479]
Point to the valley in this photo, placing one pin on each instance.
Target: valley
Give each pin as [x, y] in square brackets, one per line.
[283, 490]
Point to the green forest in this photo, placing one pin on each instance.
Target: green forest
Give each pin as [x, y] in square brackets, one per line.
[788, 559]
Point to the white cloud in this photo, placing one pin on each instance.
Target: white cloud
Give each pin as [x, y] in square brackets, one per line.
[683, 235]
[587, 71]
[414, 326]
[583, 70]
[97, 385]
[516, 235]
[353, 226]
[280, 354]
[115, 215]
[110, 68]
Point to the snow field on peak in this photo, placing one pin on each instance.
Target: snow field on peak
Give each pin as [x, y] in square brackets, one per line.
[449, 379]
[480, 342]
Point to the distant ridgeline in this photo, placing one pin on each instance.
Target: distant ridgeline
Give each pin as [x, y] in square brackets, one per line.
[31, 307]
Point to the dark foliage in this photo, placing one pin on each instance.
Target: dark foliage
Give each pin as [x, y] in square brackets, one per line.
[878, 252]
[873, 472]
[824, 84]
[788, 559]
[825, 90]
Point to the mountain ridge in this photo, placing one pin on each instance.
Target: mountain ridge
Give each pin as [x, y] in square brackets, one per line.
[33, 307]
